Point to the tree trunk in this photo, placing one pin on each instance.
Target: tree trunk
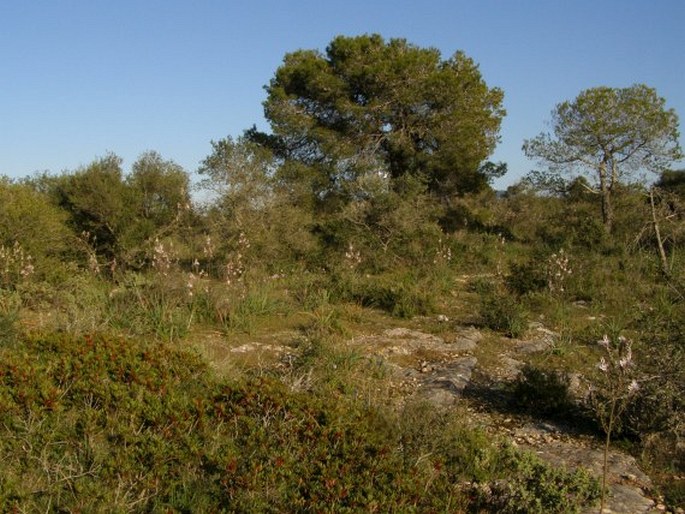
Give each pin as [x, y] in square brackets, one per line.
[607, 211]
[605, 192]
[660, 243]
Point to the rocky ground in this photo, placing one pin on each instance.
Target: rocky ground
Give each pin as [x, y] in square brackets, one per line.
[460, 369]
[449, 371]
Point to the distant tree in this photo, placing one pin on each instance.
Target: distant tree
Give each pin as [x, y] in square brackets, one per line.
[239, 176]
[375, 108]
[98, 202]
[246, 201]
[28, 218]
[122, 215]
[608, 135]
[160, 188]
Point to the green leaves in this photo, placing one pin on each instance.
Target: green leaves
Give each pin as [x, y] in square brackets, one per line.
[609, 134]
[371, 107]
[628, 126]
[120, 216]
[100, 423]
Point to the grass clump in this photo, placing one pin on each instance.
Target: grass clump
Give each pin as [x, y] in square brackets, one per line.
[501, 311]
[10, 305]
[402, 295]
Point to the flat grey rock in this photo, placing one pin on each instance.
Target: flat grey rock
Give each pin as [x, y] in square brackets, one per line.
[540, 340]
[444, 385]
[466, 340]
[510, 368]
[412, 335]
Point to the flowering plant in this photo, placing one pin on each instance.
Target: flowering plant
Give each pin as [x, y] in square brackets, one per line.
[615, 386]
[15, 265]
[558, 270]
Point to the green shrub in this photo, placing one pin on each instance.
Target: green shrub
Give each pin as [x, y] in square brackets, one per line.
[151, 304]
[10, 304]
[543, 392]
[31, 226]
[402, 295]
[323, 321]
[535, 488]
[528, 277]
[77, 304]
[502, 312]
[246, 310]
[99, 423]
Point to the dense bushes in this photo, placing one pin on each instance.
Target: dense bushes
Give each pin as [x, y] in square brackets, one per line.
[34, 236]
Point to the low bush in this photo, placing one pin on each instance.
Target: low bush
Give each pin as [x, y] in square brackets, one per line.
[99, 423]
[543, 392]
[402, 295]
[502, 311]
[152, 304]
[536, 489]
[528, 277]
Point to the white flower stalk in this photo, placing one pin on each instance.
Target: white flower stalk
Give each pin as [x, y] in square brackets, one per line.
[614, 388]
[558, 271]
[16, 264]
[603, 365]
[634, 387]
[353, 257]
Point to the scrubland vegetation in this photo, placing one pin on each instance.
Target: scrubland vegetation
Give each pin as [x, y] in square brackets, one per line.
[368, 204]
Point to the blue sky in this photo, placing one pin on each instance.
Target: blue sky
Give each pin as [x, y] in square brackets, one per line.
[82, 78]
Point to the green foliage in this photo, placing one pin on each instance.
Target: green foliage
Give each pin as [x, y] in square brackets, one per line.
[155, 305]
[323, 318]
[159, 196]
[538, 489]
[96, 423]
[501, 311]
[609, 134]
[247, 307]
[244, 197]
[371, 109]
[97, 200]
[530, 485]
[32, 226]
[240, 175]
[528, 277]
[673, 181]
[160, 190]
[10, 304]
[120, 217]
[363, 197]
[543, 392]
[387, 230]
[402, 295]
[85, 418]
[77, 302]
[656, 412]
[544, 272]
